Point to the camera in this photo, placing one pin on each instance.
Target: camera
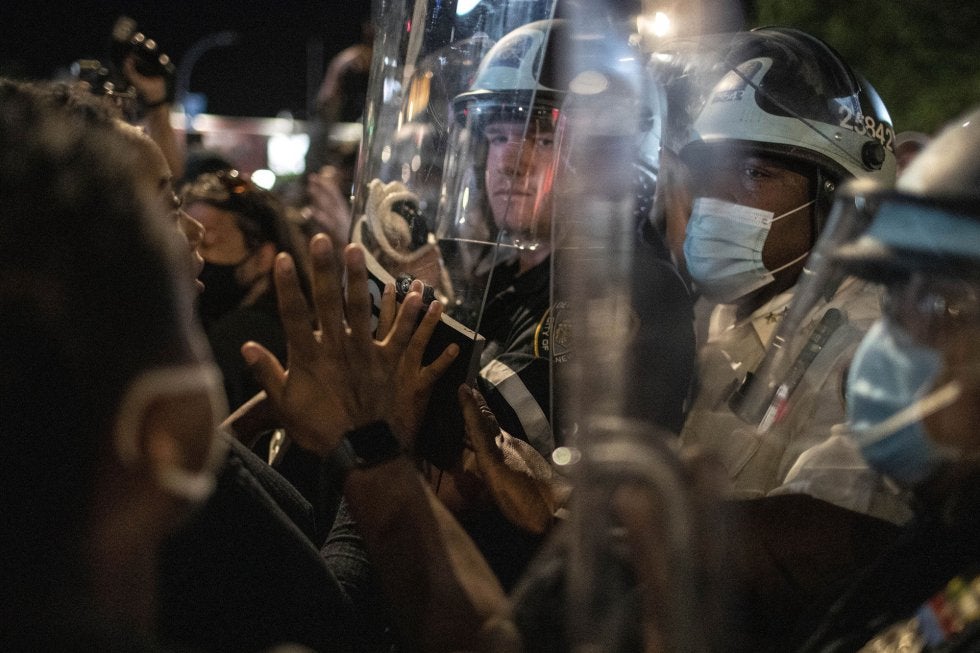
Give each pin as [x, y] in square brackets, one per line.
[106, 83]
[99, 78]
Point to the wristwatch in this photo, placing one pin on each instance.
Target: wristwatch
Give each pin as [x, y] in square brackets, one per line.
[365, 447]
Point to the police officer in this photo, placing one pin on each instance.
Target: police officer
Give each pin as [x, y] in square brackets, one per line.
[507, 119]
[509, 166]
[913, 396]
[785, 122]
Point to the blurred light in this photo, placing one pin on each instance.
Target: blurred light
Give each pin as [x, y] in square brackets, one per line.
[563, 456]
[194, 104]
[589, 82]
[390, 88]
[264, 178]
[658, 26]
[466, 6]
[286, 153]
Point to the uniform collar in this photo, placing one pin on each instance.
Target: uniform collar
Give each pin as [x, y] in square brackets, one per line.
[764, 320]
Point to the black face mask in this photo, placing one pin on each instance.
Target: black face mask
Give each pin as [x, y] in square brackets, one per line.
[222, 292]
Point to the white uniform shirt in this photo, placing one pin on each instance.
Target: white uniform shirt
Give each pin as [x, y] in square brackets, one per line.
[759, 463]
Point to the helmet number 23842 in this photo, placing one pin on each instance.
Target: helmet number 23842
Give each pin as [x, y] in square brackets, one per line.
[867, 125]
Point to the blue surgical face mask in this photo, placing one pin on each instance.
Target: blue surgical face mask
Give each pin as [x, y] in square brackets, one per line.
[723, 248]
[891, 373]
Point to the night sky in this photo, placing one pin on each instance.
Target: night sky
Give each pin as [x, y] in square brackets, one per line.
[276, 63]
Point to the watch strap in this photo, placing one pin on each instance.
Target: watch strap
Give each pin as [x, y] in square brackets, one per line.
[365, 447]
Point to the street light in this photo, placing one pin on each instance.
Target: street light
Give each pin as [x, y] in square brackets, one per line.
[190, 104]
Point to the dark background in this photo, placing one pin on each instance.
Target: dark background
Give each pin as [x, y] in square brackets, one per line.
[920, 54]
[276, 63]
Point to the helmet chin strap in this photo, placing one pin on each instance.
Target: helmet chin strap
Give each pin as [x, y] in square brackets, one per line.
[824, 187]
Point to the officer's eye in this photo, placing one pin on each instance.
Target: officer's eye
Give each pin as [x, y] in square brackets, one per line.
[753, 173]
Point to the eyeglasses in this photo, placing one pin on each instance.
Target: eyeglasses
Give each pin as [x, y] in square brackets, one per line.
[932, 307]
[256, 208]
[225, 189]
[218, 186]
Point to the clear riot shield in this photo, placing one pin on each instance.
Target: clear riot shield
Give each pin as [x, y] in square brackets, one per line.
[496, 198]
[633, 520]
[426, 54]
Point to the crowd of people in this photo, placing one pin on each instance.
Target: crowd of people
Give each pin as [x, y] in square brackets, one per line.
[764, 439]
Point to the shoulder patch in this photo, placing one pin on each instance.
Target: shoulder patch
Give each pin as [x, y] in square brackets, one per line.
[552, 337]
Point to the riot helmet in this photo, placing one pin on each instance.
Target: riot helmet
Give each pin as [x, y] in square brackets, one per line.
[913, 384]
[788, 94]
[931, 219]
[519, 77]
[503, 195]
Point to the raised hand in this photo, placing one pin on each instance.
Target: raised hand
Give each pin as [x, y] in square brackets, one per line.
[410, 396]
[339, 376]
[520, 481]
[152, 90]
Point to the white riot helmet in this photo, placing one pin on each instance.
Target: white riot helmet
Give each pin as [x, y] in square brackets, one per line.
[789, 94]
[519, 77]
[521, 82]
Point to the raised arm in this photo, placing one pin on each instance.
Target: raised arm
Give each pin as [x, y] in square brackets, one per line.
[441, 591]
[156, 120]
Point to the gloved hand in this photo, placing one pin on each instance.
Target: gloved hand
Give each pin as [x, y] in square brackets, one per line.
[143, 64]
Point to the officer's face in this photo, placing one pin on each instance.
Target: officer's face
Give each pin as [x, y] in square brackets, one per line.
[762, 183]
[519, 178]
[943, 313]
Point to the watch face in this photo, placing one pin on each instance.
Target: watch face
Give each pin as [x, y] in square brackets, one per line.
[373, 444]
